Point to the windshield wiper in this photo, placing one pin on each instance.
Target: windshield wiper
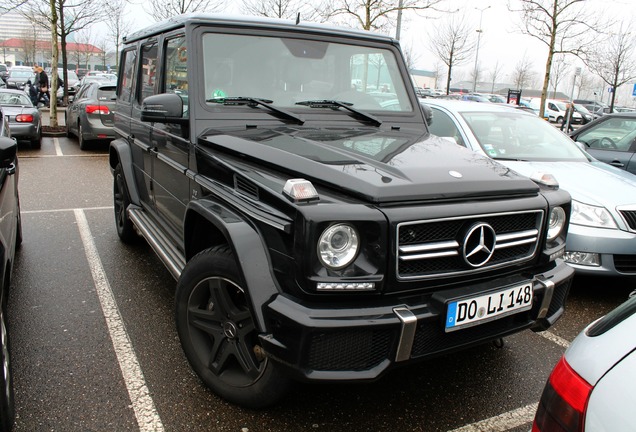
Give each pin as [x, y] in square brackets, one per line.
[339, 104]
[251, 101]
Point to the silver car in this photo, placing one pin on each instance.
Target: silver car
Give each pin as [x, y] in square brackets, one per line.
[24, 119]
[90, 115]
[592, 387]
[602, 234]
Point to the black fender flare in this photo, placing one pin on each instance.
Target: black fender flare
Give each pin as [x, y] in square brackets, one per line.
[250, 252]
[119, 152]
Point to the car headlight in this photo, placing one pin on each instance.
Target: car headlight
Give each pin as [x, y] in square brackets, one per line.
[338, 246]
[556, 223]
[589, 215]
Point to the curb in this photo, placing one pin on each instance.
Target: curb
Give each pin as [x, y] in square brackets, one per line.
[47, 131]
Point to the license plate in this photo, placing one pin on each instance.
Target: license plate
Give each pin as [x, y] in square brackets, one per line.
[477, 310]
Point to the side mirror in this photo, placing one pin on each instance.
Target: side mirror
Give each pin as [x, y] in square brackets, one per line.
[8, 151]
[163, 108]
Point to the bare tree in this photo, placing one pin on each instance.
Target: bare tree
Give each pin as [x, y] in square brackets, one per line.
[377, 15]
[54, 58]
[288, 9]
[410, 57]
[28, 44]
[439, 69]
[615, 62]
[495, 74]
[523, 75]
[452, 43]
[560, 69]
[564, 26]
[161, 10]
[118, 24]
[588, 84]
[70, 16]
[84, 48]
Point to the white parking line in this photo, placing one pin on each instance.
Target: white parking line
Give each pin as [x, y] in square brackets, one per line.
[502, 422]
[554, 338]
[147, 416]
[58, 149]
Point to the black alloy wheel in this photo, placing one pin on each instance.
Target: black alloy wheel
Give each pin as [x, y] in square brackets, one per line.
[121, 201]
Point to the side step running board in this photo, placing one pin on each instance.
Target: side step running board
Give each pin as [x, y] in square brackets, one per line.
[171, 257]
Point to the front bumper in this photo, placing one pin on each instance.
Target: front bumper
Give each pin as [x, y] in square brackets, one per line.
[362, 343]
[616, 248]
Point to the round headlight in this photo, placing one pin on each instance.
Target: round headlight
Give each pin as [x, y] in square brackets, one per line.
[557, 223]
[338, 246]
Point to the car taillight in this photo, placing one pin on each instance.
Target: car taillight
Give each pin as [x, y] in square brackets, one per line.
[24, 118]
[97, 109]
[563, 402]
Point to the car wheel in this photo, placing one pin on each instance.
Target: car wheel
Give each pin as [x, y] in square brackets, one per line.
[559, 120]
[121, 201]
[69, 133]
[218, 333]
[83, 143]
[7, 407]
[36, 142]
[18, 233]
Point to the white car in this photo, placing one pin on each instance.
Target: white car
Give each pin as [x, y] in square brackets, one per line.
[592, 387]
[602, 234]
[555, 110]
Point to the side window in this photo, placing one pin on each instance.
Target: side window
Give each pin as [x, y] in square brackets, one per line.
[148, 70]
[176, 69]
[444, 127]
[128, 59]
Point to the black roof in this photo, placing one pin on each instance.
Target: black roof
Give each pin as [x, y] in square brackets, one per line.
[251, 22]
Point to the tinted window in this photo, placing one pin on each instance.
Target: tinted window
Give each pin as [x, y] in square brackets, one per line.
[443, 126]
[126, 83]
[148, 70]
[612, 134]
[106, 93]
[176, 69]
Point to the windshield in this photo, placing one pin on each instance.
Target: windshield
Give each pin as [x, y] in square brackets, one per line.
[287, 71]
[14, 99]
[21, 74]
[521, 137]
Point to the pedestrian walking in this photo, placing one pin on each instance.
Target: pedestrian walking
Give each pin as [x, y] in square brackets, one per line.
[567, 118]
[43, 84]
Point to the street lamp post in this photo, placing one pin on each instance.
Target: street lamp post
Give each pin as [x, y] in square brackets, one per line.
[479, 31]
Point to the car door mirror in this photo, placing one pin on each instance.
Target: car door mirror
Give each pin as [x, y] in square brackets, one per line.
[163, 108]
[8, 151]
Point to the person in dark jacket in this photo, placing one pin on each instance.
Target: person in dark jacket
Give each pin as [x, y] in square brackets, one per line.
[43, 84]
[567, 118]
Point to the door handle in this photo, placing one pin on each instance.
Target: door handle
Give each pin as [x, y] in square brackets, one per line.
[617, 164]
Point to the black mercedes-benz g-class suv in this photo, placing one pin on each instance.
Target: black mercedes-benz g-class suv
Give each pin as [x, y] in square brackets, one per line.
[284, 174]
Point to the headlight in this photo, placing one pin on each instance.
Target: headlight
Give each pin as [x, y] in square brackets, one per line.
[557, 223]
[588, 215]
[338, 246]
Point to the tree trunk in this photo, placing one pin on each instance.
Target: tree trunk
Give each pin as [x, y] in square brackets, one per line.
[54, 57]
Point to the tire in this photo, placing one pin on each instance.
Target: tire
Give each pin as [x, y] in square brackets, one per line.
[121, 201]
[218, 333]
[69, 133]
[83, 143]
[7, 406]
[36, 143]
[559, 120]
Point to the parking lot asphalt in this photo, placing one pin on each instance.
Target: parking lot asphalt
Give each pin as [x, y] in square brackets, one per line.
[94, 346]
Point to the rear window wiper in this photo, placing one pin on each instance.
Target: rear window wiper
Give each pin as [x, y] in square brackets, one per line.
[339, 104]
[251, 101]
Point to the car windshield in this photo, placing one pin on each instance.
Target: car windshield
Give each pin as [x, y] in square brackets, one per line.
[519, 136]
[287, 71]
[21, 74]
[10, 98]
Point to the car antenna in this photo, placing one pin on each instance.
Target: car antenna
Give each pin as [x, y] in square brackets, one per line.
[298, 18]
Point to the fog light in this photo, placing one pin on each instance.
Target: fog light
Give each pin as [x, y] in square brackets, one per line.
[583, 258]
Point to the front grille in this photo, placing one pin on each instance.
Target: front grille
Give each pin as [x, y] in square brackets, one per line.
[436, 248]
[625, 263]
[349, 350]
[630, 218]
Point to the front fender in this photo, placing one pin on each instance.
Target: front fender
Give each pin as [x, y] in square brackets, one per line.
[246, 243]
[119, 152]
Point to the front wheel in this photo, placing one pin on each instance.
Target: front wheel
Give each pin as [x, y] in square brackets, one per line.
[7, 407]
[121, 201]
[218, 333]
[83, 143]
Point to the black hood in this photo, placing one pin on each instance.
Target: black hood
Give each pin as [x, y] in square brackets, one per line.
[379, 166]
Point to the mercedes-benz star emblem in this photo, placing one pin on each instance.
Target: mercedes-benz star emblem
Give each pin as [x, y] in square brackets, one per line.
[229, 330]
[479, 244]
